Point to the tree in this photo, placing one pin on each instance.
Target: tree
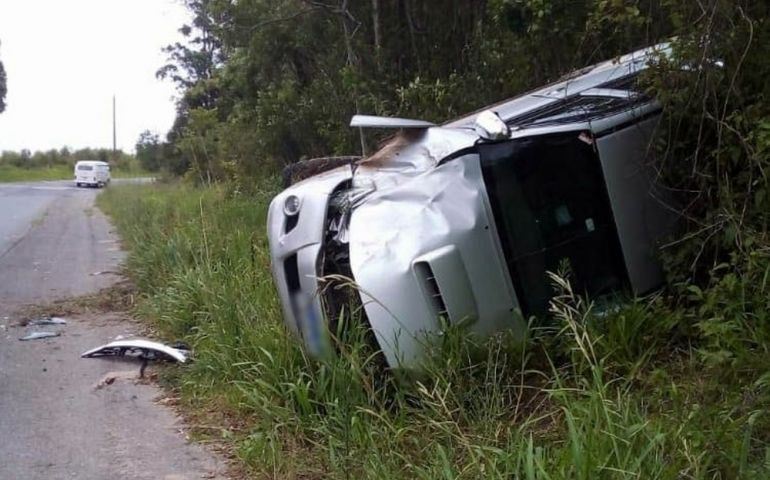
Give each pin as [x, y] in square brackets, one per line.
[193, 63]
[192, 66]
[3, 87]
[150, 151]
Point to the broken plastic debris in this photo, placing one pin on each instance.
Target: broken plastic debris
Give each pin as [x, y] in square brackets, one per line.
[49, 321]
[39, 335]
[144, 349]
[104, 272]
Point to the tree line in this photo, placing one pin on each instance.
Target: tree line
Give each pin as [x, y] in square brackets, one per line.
[265, 83]
[65, 156]
[3, 87]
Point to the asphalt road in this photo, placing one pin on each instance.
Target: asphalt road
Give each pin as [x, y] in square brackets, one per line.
[56, 420]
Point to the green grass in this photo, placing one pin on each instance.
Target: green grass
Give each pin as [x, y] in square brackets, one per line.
[10, 173]
[667, 387]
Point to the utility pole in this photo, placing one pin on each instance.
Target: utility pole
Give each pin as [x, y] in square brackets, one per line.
[114, 132]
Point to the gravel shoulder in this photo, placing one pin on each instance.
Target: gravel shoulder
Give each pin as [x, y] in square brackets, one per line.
[62, 416]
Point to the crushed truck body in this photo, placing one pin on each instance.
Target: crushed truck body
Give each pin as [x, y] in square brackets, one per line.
[461, 222]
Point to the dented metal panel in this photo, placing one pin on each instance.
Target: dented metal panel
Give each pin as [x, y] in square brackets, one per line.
[643, 214]
[409, 155]
[445, 207]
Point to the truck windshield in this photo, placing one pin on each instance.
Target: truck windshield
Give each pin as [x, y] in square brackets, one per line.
[85, 167]
[551, 210]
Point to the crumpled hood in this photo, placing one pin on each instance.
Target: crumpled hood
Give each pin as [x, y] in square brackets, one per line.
[410, 154]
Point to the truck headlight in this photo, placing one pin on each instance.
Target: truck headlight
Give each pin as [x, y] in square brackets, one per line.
[292, 205]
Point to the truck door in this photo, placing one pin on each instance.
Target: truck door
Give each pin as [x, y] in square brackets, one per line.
[644, 213]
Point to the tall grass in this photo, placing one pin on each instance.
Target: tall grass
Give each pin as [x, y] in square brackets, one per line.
[626, 394]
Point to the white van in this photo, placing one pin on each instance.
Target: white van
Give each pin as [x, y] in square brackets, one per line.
[92, 173]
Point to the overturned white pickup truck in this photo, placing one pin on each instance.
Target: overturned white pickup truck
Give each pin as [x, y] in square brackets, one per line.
[462, 221]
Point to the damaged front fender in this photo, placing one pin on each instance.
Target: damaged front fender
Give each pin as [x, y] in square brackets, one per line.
[424, 249]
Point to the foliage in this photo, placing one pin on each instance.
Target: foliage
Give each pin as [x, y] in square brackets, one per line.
[713, 142]
[192, 66]
[3, 87]
[194, 62]
[150, 151]
[54, 159]
[292, 72]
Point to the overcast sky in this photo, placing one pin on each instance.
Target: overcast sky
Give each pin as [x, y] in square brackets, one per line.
[64, 60]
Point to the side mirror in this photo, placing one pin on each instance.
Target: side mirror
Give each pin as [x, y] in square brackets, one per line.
[490, 126]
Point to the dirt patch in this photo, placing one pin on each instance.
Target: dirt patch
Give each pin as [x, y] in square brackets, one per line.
[111, 377]
[85, 412]
[114, 300]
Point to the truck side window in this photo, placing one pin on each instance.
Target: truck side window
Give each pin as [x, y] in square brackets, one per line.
[551, 208]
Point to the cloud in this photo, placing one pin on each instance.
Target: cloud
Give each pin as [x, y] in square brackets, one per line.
[66, 59]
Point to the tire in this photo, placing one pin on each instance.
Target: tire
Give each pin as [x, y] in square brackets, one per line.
[77, 184]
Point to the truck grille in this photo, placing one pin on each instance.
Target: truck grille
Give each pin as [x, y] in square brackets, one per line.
[430, 286]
